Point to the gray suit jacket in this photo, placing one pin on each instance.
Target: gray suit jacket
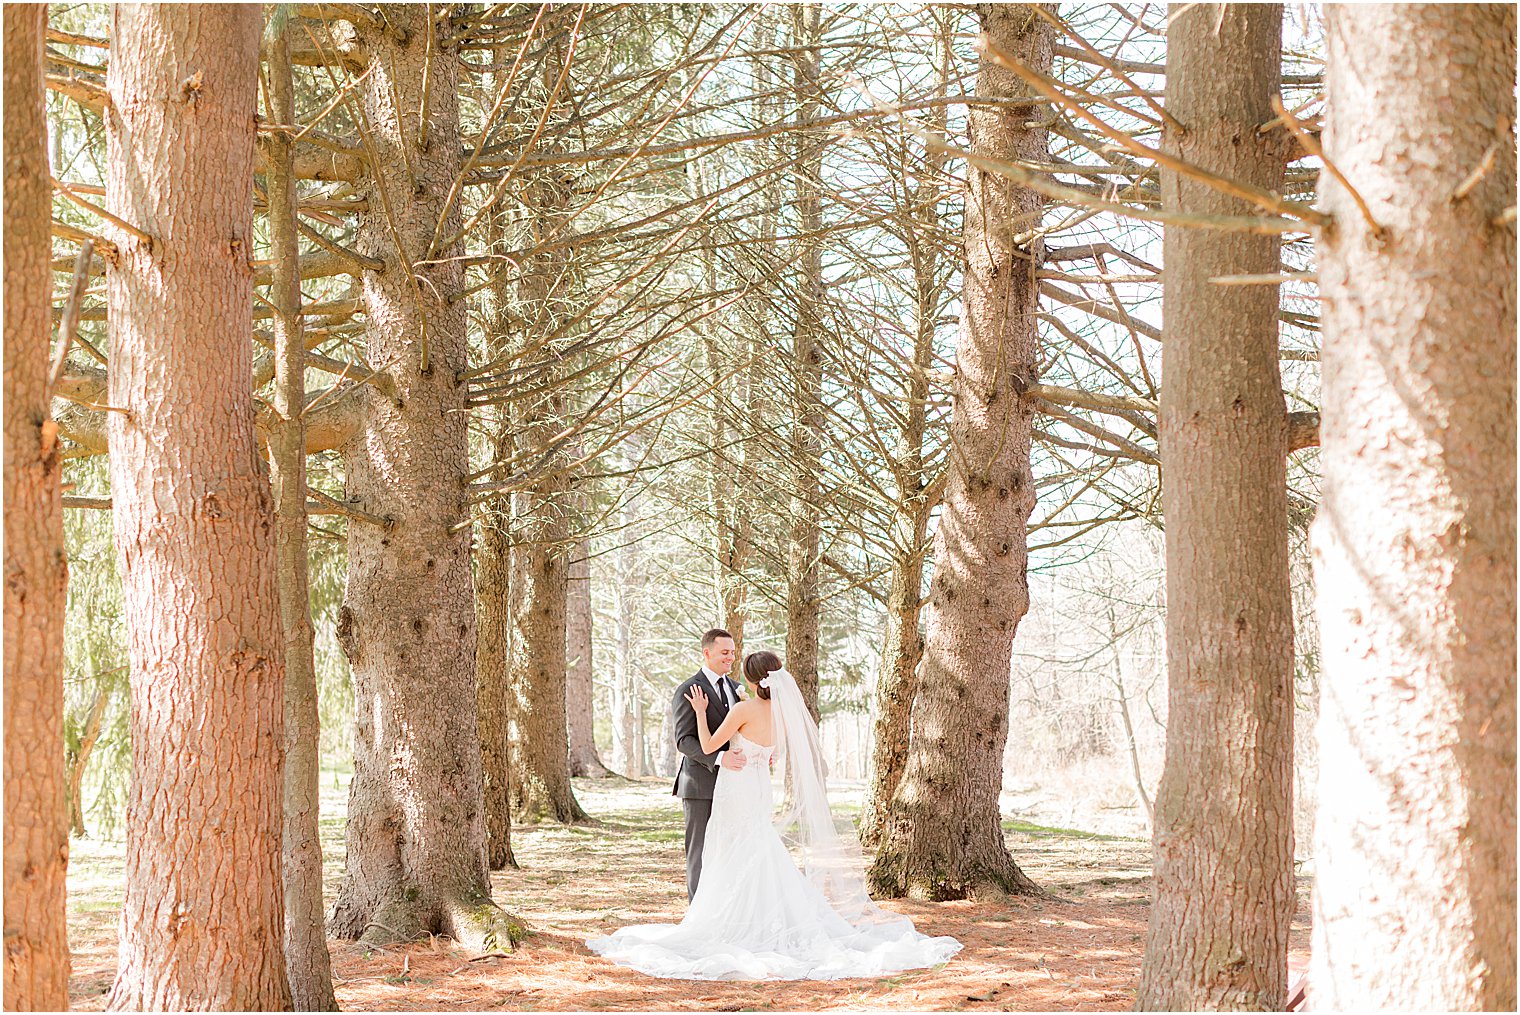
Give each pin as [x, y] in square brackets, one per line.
[698, 775]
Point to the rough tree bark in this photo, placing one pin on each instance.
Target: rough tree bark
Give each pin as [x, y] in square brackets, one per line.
[539, 772]
[202, 917]
[493, 565]
[1223, 835]
[36, 570]
[1414, 899]
[307, 962]
[539, 764]
[897, 684]
[944, 838]
[493, 594]
[416, 817]
[804, 532]
[579, 687]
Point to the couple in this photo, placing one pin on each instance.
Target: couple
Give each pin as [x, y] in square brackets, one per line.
[753, 914]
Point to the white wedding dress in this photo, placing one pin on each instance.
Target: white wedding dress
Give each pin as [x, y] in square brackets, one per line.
[756, 916]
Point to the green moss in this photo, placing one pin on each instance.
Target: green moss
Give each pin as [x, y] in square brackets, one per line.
[502, 930]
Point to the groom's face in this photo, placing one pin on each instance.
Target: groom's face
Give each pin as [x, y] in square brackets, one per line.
[719, 656]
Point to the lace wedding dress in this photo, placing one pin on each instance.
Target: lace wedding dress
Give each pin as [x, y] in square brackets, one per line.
[756, 915]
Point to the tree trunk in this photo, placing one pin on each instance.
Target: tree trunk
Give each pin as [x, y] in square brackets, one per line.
[732, 491]
[539, 773]
[580, 693]
[666, 757]
[897, 683]
[1132, 744]
[36, 570]
[493, 596]
[307, 962]
[416, 817]
[1223, 838]
[944, 838]
[493, 565]
[726, 502]
[727, 497]
[895, 688]
[540, 770]
[802, 602]
[1414, 900]
[627, 710]
[77, 760]
[202, 917]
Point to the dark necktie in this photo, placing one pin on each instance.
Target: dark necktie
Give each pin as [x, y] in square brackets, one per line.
[725, 696]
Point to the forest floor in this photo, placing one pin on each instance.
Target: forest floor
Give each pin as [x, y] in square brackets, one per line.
[1076, 951]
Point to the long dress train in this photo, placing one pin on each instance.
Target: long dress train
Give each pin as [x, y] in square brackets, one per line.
[756, 916]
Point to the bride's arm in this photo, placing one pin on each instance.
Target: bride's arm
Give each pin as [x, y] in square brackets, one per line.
[711, 741]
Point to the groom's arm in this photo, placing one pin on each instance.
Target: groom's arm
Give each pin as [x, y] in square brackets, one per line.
[687, 741]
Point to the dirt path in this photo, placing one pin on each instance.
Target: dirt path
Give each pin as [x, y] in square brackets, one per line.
[1077, 952]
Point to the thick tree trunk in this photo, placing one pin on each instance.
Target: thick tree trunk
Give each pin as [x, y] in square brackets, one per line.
[202, 918]
[1223, 895]
[580, 694]
[803, 541]
[944, 838]
[307, 962]
[1414, 899]
[416, 817]
[36, 570]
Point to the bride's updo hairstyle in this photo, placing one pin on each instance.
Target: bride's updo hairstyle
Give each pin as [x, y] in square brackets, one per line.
[758, 666]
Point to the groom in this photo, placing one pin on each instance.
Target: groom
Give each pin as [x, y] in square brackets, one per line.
[698, 774]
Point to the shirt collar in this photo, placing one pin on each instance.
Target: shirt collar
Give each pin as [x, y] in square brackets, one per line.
[712, 678]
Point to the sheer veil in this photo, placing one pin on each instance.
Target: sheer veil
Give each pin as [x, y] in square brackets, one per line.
[827, 849]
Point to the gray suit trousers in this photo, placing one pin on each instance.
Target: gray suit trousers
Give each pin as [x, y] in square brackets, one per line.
[697, 813]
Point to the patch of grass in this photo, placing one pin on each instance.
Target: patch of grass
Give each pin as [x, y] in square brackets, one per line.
[1028, 828]
[660, 834]
[95, 907]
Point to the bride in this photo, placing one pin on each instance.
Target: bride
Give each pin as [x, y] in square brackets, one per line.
[755, 915]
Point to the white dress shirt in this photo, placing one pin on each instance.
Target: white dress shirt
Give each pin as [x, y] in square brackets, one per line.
[722, 695]
[717, 686]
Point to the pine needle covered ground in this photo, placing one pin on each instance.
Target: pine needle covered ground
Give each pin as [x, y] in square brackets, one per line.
[1079, 951]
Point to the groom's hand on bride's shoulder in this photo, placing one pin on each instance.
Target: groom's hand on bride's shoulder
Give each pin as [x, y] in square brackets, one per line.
[734, 759]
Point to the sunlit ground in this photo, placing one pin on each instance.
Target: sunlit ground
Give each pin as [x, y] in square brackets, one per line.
[1077, 951]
